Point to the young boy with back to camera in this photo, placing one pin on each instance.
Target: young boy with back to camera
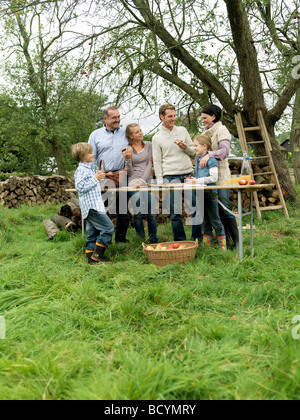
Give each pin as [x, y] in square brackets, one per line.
[208, 176]
[99, 227]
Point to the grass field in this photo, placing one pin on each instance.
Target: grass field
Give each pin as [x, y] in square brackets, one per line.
[216, 328]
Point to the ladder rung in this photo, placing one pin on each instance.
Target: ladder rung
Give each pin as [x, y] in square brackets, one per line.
[252, 128]
[264, 173]
[271, 208]
[259, 157]
[255, 142]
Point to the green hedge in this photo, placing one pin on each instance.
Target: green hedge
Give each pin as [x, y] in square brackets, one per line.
[4, 176]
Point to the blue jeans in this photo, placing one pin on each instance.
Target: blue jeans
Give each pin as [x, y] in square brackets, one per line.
[99, 229]
[223, 213]
[176, 211]
[143, 203]
[211, 216]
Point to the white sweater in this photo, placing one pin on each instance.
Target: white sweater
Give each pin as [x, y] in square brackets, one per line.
[168, 158]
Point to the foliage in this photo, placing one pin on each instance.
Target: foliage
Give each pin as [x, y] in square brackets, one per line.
[215, 328]
[52, 106]
[24, 133]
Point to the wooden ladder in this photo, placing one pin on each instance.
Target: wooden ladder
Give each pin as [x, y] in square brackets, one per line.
[268, 147]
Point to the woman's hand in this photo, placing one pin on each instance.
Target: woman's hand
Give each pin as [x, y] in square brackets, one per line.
[126, 153]
[204, 161]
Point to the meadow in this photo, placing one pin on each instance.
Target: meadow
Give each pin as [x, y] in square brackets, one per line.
[215, 328]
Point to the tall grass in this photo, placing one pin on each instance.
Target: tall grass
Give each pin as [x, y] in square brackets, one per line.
[216, 328]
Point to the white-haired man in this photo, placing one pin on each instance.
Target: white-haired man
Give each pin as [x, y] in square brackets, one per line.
[108, 143]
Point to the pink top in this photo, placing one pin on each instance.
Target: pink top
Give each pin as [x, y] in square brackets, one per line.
[223, 152]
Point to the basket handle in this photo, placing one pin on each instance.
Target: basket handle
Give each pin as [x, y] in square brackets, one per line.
[102, 163]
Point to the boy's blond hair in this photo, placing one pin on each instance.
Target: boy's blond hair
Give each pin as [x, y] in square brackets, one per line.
[204, 139]
[80, 150]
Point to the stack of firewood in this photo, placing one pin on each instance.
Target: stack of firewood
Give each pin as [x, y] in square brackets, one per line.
[268, 196]
[33, 190]
[68, 217]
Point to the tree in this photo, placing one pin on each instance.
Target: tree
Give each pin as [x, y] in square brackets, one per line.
[45, 82]
[23, 130]
[295, 138]
[176, 41]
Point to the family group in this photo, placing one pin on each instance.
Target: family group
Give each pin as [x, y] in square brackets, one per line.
[170, 154]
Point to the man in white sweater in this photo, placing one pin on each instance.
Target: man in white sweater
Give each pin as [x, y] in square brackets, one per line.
[173, 149]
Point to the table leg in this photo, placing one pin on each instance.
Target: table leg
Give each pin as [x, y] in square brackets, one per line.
[251, 225]
[240, 216]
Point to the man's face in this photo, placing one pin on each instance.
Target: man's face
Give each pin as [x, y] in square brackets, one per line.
[112, 122]
[169, 119]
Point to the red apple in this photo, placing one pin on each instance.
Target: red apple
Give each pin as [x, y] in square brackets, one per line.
[252, 182]
[243, 181]
[176, 246]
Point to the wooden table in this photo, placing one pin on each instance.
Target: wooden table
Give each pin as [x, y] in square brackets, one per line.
[187, 187]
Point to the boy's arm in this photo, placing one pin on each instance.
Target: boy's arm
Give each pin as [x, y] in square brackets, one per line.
[84, 182]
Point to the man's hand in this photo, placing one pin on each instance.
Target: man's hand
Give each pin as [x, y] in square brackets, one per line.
[181, 144]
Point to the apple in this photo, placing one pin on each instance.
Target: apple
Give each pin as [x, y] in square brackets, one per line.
[176, 246]
[164, 248]
[243, 181]
[181, 247]
[150, 248]
[252, 182]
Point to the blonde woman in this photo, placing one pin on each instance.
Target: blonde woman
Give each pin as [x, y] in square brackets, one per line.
[138, 161]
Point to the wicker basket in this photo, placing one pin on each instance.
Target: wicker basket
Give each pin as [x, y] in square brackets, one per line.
[172, 256]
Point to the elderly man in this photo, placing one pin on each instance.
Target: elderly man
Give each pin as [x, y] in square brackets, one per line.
[108, 143]
[172, 152]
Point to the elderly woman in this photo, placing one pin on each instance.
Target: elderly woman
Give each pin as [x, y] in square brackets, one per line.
[138, 160]
[221, 138]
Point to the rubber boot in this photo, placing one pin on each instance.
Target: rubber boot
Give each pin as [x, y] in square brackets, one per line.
[89, 254]
[207, 240]
[233, 230]
[98, 254]
[222, 242]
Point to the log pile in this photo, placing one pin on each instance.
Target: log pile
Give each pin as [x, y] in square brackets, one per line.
[268, 196]
[35, 190]
[68, 217]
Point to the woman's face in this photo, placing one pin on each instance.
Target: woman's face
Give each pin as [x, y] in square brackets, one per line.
[136, 134]
[208, 120]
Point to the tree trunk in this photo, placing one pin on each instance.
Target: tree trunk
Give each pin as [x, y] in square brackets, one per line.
[295, 138]
[246, 53]
[58, 155]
